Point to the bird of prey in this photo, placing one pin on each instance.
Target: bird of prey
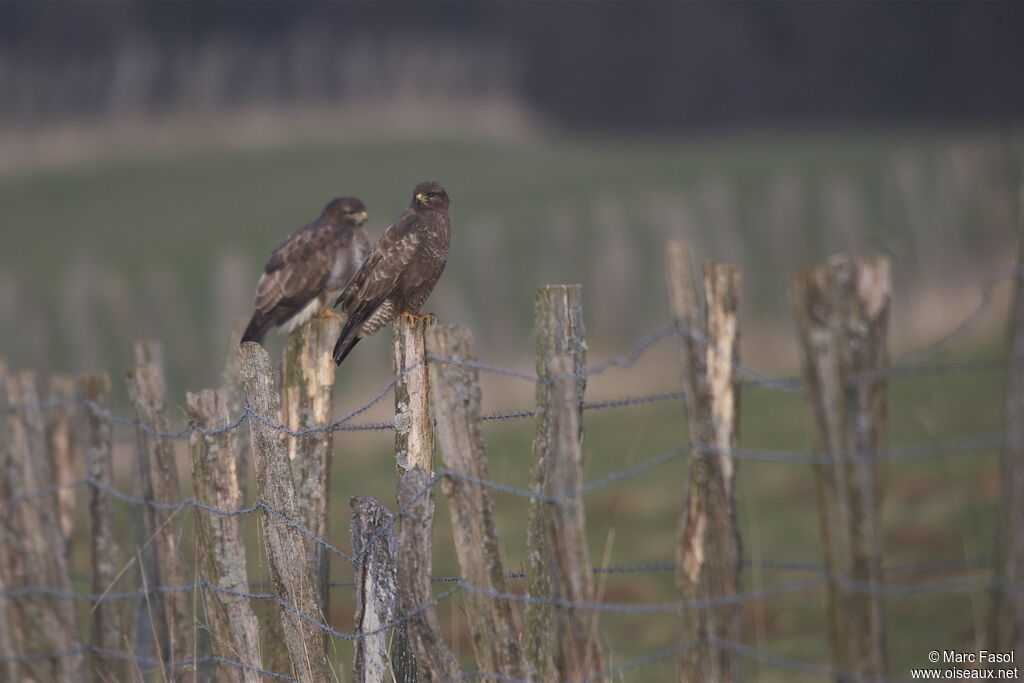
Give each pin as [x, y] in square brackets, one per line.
[310, 268]
[401, 270]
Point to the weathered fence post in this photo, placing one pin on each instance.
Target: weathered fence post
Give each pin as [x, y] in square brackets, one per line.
[145, 626]
[562, 643]
[842, 311]
[289, 567]
[307, 390]
[373, 545]
[7, 652]
[159, 470]
[61, 442]
[708, 545]
[106, 625]
[35, 544]
[414, 434]
[414, 460]
[434, 661]
[1008, 599]
[456, 404]
[236, 403]
[234, 631]
[414, 445]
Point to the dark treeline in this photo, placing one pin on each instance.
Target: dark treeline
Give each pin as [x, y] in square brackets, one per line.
[598, 65]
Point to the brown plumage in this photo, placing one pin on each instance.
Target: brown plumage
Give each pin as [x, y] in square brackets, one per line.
[310, 267]
[401, 270]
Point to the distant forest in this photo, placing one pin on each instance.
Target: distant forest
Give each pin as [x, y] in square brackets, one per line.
[610, 65]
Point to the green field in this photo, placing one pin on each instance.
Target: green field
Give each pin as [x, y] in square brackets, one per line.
[137, 246]
[594, 211]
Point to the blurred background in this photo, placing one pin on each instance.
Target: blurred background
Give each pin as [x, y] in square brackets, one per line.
[152, 154]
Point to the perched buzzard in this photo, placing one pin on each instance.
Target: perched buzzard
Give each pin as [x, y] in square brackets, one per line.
[400, 271]
[310, 268]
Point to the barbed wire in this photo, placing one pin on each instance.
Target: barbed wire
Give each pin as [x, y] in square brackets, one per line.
[963, 327]
[935, 449]
[821, 578]
[904, 366]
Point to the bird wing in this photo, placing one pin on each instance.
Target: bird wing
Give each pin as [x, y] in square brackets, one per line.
[298, 269]
[379, 275]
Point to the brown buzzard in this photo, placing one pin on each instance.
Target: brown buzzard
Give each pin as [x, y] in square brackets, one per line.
[310, 268]
[400, 271]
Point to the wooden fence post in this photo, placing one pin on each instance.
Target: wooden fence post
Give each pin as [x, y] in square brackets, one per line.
[559, 564]
[234, 631]
[708, 546]
[1008, 600]
[414, 434]
[456, 404]
[145, 628]
[236, 403]
[434, 661]
[159, 469]
[289, 567]
[373, 544]
[414, 444]
[307, 391]
[61, 441]
[842, 311]
[35, 543]
[7, 615]
[7, 652]
[106, 625]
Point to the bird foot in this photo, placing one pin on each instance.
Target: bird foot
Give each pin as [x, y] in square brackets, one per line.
[413, 318]
[328, 313]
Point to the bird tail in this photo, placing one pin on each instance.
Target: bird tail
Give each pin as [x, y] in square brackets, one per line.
[256, 329]
[347, 341]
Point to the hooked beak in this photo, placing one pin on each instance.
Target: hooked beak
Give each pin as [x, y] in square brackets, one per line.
[421, 198]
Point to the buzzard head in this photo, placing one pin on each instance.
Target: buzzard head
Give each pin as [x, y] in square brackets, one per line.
[345, 210]
[429, 195]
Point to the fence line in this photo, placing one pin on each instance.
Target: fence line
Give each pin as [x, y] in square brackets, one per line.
[901, 368]
[931, 450]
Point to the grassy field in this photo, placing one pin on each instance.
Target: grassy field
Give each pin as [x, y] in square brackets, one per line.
[97, 255]
[594, 211]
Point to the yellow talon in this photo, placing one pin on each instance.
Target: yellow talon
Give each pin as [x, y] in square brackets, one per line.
[413, 318]
[328, 313]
